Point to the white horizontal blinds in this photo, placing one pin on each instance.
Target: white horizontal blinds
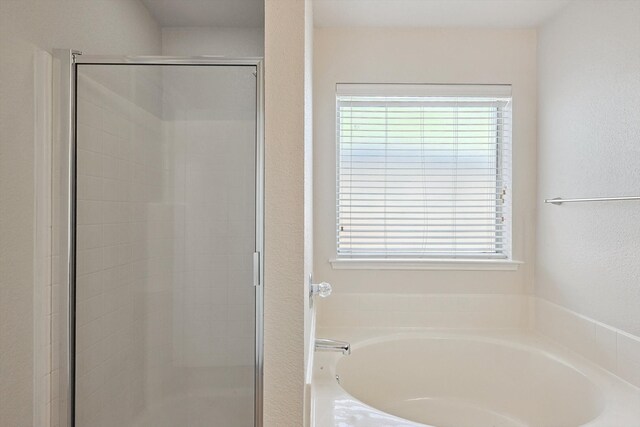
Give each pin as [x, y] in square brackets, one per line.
[423, 176]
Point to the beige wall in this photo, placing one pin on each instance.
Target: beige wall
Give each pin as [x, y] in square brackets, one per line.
[107, 27]
[235, 42]
[125, 27]
[284, 212]
[588, 257]
[383, 55]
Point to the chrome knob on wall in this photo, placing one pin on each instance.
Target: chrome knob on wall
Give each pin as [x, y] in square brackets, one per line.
[322, 289]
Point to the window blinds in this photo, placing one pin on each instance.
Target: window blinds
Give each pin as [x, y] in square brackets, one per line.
[423, 171]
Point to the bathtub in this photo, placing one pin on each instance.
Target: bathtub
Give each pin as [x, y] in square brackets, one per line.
[465, 379]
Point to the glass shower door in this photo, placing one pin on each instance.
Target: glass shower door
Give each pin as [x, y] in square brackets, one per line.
[165, 302]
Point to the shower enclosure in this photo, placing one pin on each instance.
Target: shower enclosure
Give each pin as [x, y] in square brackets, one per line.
[159, 189]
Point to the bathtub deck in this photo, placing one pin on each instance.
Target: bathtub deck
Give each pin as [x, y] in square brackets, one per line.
[334, 407]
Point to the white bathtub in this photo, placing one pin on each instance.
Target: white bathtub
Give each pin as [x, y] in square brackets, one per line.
[462, 379]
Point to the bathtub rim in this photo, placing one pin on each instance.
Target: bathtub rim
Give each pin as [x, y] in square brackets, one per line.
[618, 394]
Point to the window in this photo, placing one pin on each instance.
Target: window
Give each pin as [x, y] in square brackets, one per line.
[423, 171]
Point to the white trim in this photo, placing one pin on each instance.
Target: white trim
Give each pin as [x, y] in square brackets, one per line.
[311, 344]
[395, 89]
[42, 277]
[426, 264]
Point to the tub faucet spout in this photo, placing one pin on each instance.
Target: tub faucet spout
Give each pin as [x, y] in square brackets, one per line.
[323, 344]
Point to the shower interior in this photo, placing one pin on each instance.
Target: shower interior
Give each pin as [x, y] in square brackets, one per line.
[164, 299]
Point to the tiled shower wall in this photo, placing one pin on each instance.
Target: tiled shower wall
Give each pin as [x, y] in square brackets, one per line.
[215, 299]
[165, 213]
[212, 133]
[125, 240]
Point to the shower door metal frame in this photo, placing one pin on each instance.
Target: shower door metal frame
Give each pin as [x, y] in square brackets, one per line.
[65, 137]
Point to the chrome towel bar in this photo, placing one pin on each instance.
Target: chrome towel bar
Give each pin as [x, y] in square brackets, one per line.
[560, 200]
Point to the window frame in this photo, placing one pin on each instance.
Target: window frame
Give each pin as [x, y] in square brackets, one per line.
[391, 262]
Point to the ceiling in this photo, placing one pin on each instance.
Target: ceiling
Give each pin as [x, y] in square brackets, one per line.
[434, 13]
[362, 13]
[207, 13]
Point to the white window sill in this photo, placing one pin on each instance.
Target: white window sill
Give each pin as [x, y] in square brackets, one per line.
[426, 264]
